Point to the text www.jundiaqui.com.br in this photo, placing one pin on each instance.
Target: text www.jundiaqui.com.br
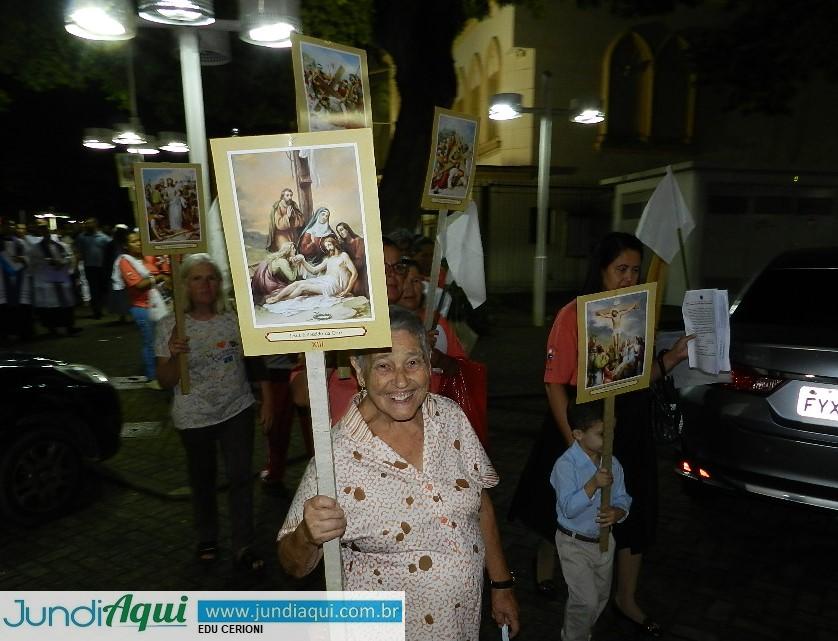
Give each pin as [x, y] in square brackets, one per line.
[300, 611]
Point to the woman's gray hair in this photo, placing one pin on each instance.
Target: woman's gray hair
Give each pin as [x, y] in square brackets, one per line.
[401, 319]
[190, 263]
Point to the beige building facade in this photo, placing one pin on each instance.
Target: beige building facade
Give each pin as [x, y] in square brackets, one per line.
[658, 113]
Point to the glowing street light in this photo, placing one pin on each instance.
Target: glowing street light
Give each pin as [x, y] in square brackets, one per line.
[101, 20]
[507, 106]
[179, 13]
[269, 23]
[98, 138]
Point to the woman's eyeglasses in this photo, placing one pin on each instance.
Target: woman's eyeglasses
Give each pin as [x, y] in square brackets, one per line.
[400, 267]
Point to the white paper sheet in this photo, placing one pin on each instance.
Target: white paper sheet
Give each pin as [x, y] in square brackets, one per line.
[706, 315]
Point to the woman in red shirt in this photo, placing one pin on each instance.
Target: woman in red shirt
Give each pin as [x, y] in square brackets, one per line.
[614, 264]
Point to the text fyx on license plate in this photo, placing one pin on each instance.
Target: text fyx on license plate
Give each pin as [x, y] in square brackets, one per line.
[818, 402]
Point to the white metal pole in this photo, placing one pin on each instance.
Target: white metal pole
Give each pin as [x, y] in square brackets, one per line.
[540, 261]
[324, 457]
[196, 137]
[193, 102]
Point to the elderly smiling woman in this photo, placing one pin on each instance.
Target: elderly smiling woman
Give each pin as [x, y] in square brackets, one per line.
[412, 510]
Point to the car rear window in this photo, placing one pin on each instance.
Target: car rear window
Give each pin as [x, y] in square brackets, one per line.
[797, 306]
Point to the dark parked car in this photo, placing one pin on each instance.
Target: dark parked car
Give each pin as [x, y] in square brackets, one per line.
[773, 430]
[54, 416]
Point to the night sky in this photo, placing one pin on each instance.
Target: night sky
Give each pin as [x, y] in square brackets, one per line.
[45, 165]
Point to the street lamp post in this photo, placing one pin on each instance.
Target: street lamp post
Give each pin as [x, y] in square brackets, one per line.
[267, 23]
[506, 106]
[193, 103]
[545, 148]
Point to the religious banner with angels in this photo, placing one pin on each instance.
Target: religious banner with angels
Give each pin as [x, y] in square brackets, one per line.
[616, 341]
[301, 222]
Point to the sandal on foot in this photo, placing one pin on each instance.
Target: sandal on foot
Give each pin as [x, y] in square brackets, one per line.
[207, 552]
[249, 561]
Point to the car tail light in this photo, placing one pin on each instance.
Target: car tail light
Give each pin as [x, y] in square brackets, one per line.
[695, 472]
[745, 379]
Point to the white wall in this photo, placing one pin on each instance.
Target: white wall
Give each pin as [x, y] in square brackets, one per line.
[726, 249]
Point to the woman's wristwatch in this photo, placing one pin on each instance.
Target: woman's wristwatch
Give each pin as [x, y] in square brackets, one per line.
[503, 585]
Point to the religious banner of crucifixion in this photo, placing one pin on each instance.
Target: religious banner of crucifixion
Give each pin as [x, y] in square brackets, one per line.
[616, 341]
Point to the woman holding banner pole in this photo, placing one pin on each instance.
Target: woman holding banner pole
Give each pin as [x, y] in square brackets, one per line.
[413, 511]
[217, 413]
[614, 264]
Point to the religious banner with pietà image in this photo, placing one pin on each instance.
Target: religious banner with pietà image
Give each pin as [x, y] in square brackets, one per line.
[303, 233]
[616, 341]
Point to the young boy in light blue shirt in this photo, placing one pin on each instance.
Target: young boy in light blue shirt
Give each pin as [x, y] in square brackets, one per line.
[578, 479]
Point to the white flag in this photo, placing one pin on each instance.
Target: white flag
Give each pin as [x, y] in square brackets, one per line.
[464, 253]
[664, 214]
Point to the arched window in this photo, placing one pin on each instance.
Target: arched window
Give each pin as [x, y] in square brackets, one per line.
[629, 90]
[674, 94]
[459, 102]
[493, 69]
[474, 80]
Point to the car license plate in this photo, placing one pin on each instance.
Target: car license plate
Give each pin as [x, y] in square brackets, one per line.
[818, 402]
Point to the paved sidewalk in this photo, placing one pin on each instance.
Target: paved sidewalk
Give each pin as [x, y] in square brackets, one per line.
[725, 567]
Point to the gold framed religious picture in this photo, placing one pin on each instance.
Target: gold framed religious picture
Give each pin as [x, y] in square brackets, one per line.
[125, 168]
[332, 85]
[450, 161]
[616, 341]
[301, 221]
[170, 208]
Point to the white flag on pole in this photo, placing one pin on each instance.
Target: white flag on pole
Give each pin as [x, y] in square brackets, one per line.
[664, 214]
[464, 253]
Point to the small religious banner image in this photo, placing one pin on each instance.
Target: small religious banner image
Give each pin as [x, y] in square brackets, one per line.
[301, 222]
[125, 168]
[332, 85]
[616, 341]
[451, 161]
[170, 208]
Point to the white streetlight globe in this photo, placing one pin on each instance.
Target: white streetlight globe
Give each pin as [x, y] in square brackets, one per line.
[586, 111]
[100, 19]
[148, 148]
[505, 106]
[589, 117]
[193, 13]
[129, 134]
[273, 35]
[96, 138]
[269, 23]
[175, 148]
[173, 142]
[97, 144]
